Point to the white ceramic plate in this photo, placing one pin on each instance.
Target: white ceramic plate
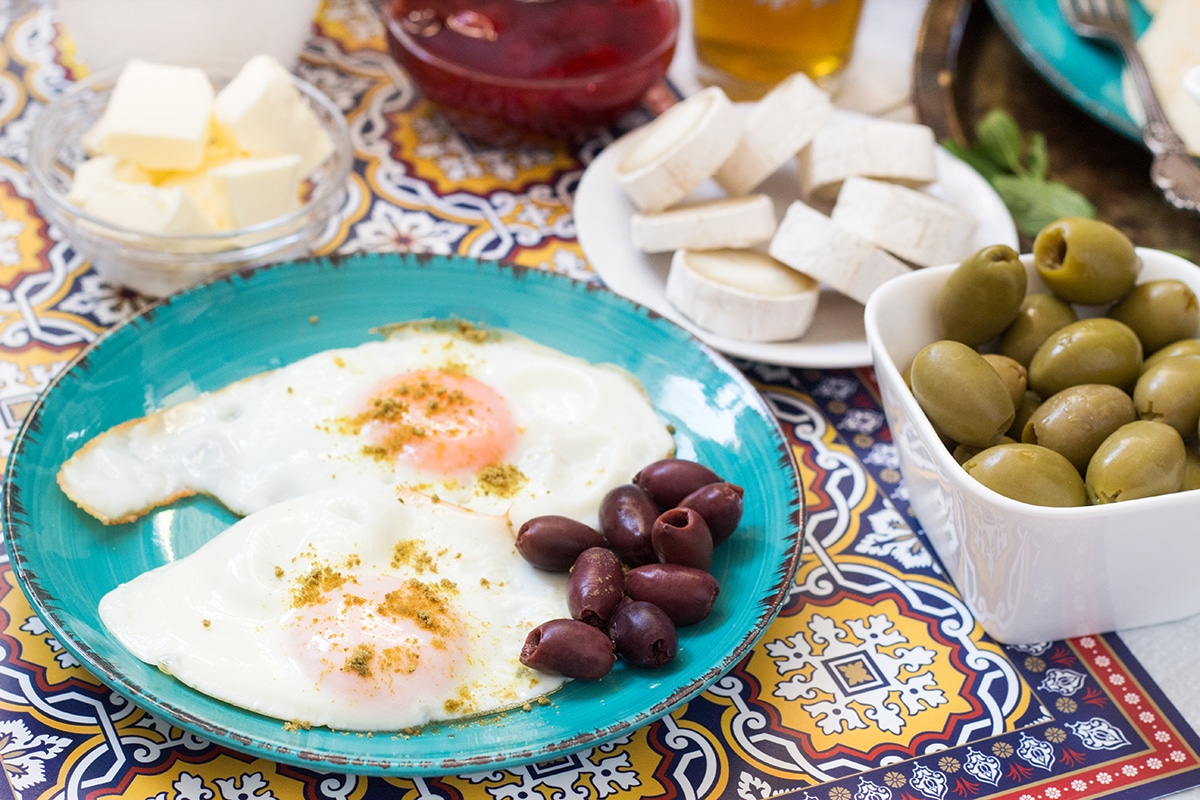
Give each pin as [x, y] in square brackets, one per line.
[836, 338]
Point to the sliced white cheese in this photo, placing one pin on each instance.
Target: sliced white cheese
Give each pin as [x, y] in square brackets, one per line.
[898, 152]
[812, 243]
[711, 225]
[742, 294]
[158, 116]
[1170, 46]
[262, 112]
[675, 153]
[912, 225]
[778, 127]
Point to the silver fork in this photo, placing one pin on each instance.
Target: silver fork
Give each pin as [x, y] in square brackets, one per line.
[1173, 170]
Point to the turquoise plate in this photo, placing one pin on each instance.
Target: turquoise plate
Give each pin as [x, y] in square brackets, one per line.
[1087, 73]
[205, 337]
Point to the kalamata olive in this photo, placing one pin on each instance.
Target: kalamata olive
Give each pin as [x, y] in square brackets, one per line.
[627, 514]
[1170, 392]
[720, 504]
[595, 586]
[981, 295]
[961, 393]
[1040, 315]
[1159, 312]
[569, 647]
[552, 542]
[1183, 347]
[1141, 459]
[643, 634]
[1076, 420]
[1097, 350]
[671, 479]
[686, 594]
[1029, 473]
[681, 536]
[1085, 260]
[1012, 372]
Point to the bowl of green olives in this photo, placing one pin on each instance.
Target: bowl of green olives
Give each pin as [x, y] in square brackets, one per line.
[1046, 414]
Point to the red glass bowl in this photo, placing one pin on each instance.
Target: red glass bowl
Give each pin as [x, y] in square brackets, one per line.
[507, 69]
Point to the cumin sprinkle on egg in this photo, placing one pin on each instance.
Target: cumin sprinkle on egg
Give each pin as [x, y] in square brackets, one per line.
[501, 480]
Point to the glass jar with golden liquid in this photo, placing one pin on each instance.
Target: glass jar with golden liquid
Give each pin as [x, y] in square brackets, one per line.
[748, 46]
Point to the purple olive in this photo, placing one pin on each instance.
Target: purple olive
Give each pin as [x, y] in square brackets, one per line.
[671, 479]
[686, 594]
[569, 647]
[627, 513]
[552, 542]
[721, 506]
[595, 586]
[643, 634]
[681, 536]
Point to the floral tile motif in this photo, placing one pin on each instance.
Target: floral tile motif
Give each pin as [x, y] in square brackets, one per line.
[874, 683]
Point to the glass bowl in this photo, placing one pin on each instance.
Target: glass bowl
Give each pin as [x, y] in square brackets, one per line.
[551, 69]
[158, 264]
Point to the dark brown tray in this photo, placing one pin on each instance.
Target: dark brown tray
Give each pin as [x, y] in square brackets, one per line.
[966, 65]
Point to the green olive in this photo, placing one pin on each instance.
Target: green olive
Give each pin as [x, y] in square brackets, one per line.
[1159, 312]
[964, 452]
[1014, 375]
[1170, 392]
[1183, 347]
[1039, 316]
[1028, 473]
[1085, 261]
[1029, 404]
[981, 296]
[1078, 419]
[1095, 350]
[961, 394]
[1191, 472]
[1140, 459]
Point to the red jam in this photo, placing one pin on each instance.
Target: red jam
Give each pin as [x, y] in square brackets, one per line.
[549, 67]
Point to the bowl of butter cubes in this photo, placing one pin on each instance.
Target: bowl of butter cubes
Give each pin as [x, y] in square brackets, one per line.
[164, 175]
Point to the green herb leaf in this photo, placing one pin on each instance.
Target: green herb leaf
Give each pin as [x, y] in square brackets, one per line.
[979, 162]
[1000, 140]
[1018, 170]
[1034, 204]
[1038, 156]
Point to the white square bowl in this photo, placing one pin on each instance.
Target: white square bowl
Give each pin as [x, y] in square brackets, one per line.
[1030, 573]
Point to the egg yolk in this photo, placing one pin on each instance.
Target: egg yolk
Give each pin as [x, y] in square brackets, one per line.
[440, 421]
[380, 639]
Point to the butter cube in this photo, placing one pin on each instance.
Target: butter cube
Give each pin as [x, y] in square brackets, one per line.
[147, 208]
[159, 116]
[100, 170]
[253, 190]
[263, 113]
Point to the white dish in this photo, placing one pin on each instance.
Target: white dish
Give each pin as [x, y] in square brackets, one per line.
[837, 337]
[1031, 573]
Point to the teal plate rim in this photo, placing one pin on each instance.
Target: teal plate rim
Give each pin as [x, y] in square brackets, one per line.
[229, 327]
[1085, 72]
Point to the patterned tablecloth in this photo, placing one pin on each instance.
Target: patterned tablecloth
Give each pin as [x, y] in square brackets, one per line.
[874, 683]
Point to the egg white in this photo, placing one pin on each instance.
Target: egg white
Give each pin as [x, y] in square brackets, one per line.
[226, 621]
[581, 430]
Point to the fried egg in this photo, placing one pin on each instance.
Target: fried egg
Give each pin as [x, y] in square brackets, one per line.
[484, 419]
[347, 608]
